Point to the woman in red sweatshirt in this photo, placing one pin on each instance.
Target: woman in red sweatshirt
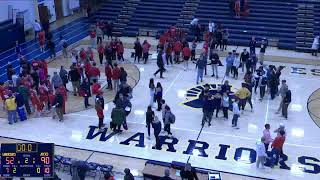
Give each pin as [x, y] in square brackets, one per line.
[177, 47]
[120, 51]
[99, 109]
[108, 73]
[100, 52]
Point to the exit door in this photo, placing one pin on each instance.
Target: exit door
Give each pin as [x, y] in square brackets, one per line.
[59, 8]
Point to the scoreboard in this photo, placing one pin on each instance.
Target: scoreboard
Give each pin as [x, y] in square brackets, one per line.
[27, 160]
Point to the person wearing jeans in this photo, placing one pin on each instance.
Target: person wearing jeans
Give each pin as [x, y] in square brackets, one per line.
[166, 120]
[116, 77]
[236, 113]
[277, 146]
[214, 64]
[261, 153]
[229, 63]
[243, 93]
[201, 65]
[85, 92]
[11, 106]
[225, 105]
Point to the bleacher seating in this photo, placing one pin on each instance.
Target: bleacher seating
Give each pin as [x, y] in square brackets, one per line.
[109, 10]
[273, 19]
[154, 14]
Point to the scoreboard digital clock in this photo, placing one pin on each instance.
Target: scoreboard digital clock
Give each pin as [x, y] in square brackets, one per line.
[27, 160]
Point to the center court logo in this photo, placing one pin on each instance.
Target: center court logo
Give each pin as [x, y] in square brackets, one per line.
[193, 95]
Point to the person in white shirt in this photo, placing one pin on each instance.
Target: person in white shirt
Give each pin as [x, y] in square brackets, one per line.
[37, 28]
[236, 65]
[194, 22]
[211, 27]
[261, 153]
[236, 113]
[315, 45]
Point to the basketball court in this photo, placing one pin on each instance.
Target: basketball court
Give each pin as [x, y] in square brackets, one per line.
[219, 147]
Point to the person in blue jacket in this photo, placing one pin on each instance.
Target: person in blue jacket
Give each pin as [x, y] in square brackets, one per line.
[229, 63]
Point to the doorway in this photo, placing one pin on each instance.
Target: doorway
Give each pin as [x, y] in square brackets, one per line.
[59, 8]
[43, 13]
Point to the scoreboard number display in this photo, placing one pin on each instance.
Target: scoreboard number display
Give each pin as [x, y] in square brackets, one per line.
[27, 160]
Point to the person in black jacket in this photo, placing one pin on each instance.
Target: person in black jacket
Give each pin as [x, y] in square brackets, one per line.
[252, 45]
[273, 84]
[128, 175]
[160, 64]
[218, 36]
[74, 77]
[243, 59]
[52, 48]
[137, 50]
[58, 104]
[123, 76]
[214, 58]
[286, 102]
[149, 119]
[108, 54]
[85, 92]
[188, 173]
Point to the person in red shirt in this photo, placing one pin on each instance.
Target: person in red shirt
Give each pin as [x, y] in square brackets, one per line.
[145, 50]
[120, 51]
[186, 53]
[206, 46]
[108, 73]
[83, 55]
[101, 52]
[3, 89]
[113, 45]
[168, 50]
[277, 146]
[99, 109]
[35, 102]
[42, 38]
[177, 47]
[95, 89]
[43, 94]
[51, 97]
[90, 54]
[94, 72]
[93, 38]
[173, 32]
[87, 67]
[116, 77]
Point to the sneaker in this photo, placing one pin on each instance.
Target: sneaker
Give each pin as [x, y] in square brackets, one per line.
[236, 127]
[277, 112]
[149, 137]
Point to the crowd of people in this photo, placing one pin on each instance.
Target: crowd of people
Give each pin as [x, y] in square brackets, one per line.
[257, 77]
[32, 90]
